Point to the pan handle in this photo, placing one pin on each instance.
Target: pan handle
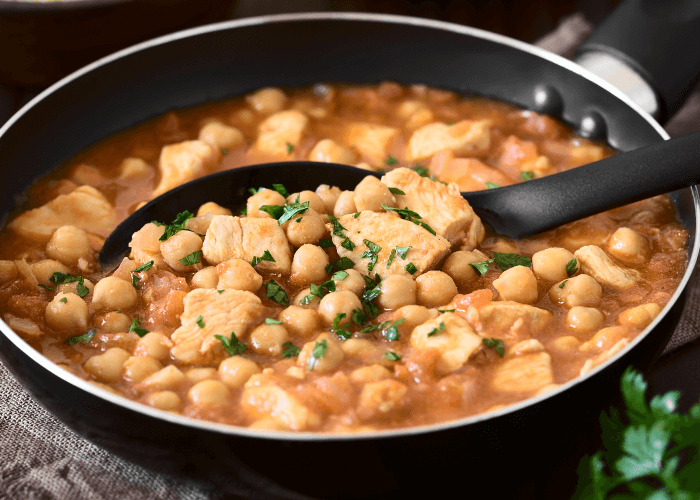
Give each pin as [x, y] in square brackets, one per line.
[650, 49]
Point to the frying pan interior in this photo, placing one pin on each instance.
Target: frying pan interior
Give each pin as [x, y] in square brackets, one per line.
[229, 59]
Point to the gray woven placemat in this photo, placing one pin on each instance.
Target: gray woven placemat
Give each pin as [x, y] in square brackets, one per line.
[40, 458]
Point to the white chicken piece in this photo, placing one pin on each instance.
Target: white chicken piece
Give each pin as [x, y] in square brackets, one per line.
[381, 398]
[463, 137]
[524, 369]
[84, 207]
[230, 237]
[388, 231]
[441, 206]
[262, 398]
[220, 314]
[374, 142]
[596, 263]
[450, 334]
[281, 133]
[510, 321]
[183, 162]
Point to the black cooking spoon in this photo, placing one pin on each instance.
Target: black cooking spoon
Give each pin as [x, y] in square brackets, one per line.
[517, 211]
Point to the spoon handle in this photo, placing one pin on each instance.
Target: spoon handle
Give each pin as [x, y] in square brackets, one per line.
[537, 205]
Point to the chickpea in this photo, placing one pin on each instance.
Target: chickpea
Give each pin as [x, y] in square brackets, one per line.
[107, 367]
[581, 290]
[329, 151]
[133, 168]
[199, 225]
[238, 275]
[415, 315]
[221, 136]
[308, 265]
[640, 316]
[148, 238]
[67, 311]
[550, 264]
[300, 299]
[68, 244]
[329, 195]
[397, 291]
[353, 282]
[179, 246]
[198, 374]
[167, 378]
[113, 322]
[309, 229]
[332, 357]
[336, 303]
[154, 345]
[261, 198]
[345, 204]
[371, 194]
[567, 343]
[164, 400]
[44, 269]
[113, 294]
[458, 268]
[208, 393]
[315, 201]
[212, 208]
[8, 271]
[268, 100]
[300, 320]
[629, 246]
[584, 319]
[236, 370]
[72, 287]
[435, 288]
[205, 278]
[137, 368]
[365, 351]
[518, 284]
[268, 339]
[367, 374]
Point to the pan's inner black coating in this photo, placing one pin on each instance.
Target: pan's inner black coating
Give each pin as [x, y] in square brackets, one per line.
[385, 306]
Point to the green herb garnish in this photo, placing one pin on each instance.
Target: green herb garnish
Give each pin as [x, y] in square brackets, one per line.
[290, 350]
[136, 327]
[274, 211]
[410, 268]
[233, 346]
[276, 293]
[340, 275]
[396, 191]
[325, 243]
[392, 356]
[192, 259]
[272, 321]
[437, 330]
[60, 278]
[402, 251]
[143, 267]
[372, 253]
[290, 148]
[527, 175]
[341, 264]
[266, 256]
[347, 244]
[481, 267]
[391, 160]
[319, 351]
[46, 287]
[391, 258]
[420, 170]
[508, 260]
[176, 226]
[443, 311]
[563, 284]
[200, 322]
[291, 210]
[495, 344]
[342, 331]
[83, 339]
[412, 216]
[491, 185]
[63, 299]
[571, 267]
[281, 190]
[391, 332]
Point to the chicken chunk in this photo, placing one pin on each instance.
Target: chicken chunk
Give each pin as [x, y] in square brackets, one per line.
[524, 370]
[221, 314]
[595, 262]
[381, 398]
[230, 237]
[263, 398]
[449, 334]
[463, 137]
[442, 207]
[183, 162]
[281, 133]
[84, 207]
[388, 231]
[374, 142]
[509, 320]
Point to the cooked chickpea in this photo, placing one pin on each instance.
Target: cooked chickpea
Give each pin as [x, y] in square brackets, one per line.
[550, 264]
[72, 287]
[329, 195]
[567, 343]
[584, 319]
[167, 378]
[137, 368]
[371, 194]
[268, 339]
[154, 345]
[435, 288]
[67, 311]
[302, 298]
[329, 151]
[458, 268]
[236, 370]
[629, 246]
[518, 284]
[581, 290]
[267, 100]
[396, 291]
[208, 393]
[365, 351]
[309, 265]
[113, 322]
[179, 246]
[345, 204]
[205, 278]
[148, 238]
[199, 374]
[309, 229]
[221, 136]
[107, 367]
[353, 282]
[113, 294]
[332, 357]
[261, 198]
[336, 303]
[640, 316]
[315, 201]
[415, 315]
[212, 208]
[68, 244]
[300, 320]
[44, 269]
[367, 374]
[238, 275]
[8, 271]
[164, 400]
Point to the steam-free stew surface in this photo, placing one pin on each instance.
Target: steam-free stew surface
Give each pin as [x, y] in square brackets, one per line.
[387, 306]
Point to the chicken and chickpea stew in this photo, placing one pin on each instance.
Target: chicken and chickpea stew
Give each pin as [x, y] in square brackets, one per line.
[333, 311]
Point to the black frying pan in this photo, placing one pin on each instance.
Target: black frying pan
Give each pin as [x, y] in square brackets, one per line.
[530, 449]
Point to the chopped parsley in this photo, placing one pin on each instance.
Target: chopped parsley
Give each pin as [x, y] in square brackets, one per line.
[492, 185]
[481, 267]
[410, 268]
[356, 215]
[527, 175]
[254, 191]
[325, 243]
[276, 293]
[391, 258]
[46, 287]
[192, 259]
[341, 264]
[63, 299]
[233, 346]
[266, 256]
[402, 251]
[342, 331]
[412, 216]
[82, 339]
[272, 321]
[391, 160]
[175, 226]
[571, 267]
[563, 284]
[274, 211]
[396, 191]
[143, 267]
[437, 330]
[340, 275]
[281, 190]
[359, 317]
[319, 351]
[338, 228]
[298, 220]
[391, 332]
[60, 278]
[319, 291]
[290, 350]
[508, 260]
[200, 322]
[495, 344]
[290, 148]
[291, 210]
[220, 291]
[348, 244]
[443, 311]
[136, 327]
[392, 356]
[372, 253]
[224, 151]
[420, 170]
[135, 281]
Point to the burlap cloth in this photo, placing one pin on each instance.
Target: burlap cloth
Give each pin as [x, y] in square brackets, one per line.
[40, 458]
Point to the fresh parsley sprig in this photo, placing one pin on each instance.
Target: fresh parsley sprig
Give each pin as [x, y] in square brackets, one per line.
[175, 226]
[232, 345]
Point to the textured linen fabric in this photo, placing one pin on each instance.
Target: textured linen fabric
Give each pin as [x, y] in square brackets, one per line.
[40, 458]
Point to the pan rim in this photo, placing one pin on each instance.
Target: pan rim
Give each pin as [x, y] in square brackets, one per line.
[383, 434]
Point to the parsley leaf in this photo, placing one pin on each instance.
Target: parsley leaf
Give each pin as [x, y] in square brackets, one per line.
[420, 170]
[272, 321]
[46, 287]
[391, 258]
[342, 331]
[341, 264]
[274, 211]
[266, 256]
[143, 267]
[571, 267]
[396, 191]
[392, 356]
[340, 275]
[290, 350]
[402, 251]
[495, 344]
[60, 278]
[290, 148]
[372, 253]
[410, 268]
[192, 259]
[291, 210]
[177, 225]
[254, 191]
[325, 243]
[563, 284]
[281, 190]
[443, 311]
[63, 299]
[508, 260]
[347, 244]
[338, 228]
[319, 351]
[233, 346]
[83, 339]
[136, 327]
[200, 322]
[481, 267]
[527, 175]
[391, 160]
[437, 330]
[275, 292]
[412, 216]
[391, 332]
[491, 185]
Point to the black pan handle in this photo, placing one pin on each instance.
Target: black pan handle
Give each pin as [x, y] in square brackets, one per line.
[659, 40]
